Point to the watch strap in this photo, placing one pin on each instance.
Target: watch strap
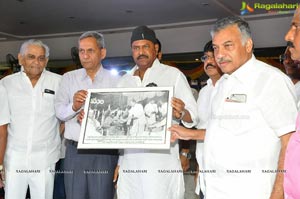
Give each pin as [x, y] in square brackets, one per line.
[187, 155]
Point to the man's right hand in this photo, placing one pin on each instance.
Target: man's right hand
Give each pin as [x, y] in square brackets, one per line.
[79, 99]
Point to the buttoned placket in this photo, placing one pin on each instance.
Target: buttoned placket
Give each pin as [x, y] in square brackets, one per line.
[36, 93]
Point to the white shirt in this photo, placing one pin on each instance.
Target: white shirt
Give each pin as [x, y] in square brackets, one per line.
[251, 109]
[170, 186]
[4, 111]
[72, 82]
[297, 87]
[33, 134]
[203, 103]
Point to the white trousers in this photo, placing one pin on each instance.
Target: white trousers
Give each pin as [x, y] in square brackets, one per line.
[40, 182]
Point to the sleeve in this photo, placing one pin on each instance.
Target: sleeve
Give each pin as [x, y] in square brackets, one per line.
[4, 108]
[278, 105]
[183, 91]
[63, 101]
[203, 106]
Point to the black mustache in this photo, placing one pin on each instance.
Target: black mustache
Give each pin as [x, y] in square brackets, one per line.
[210, 65]
[142, 56]
[290, 44]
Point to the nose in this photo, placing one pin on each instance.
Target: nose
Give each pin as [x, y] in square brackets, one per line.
[289, 35]
[84, 55]
[219, 53]
[141, 51]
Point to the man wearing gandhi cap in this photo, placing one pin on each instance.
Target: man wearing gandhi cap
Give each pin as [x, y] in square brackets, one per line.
[163, 176]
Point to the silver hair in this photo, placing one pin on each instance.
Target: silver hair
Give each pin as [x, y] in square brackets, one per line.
[34, 42]
[98, 36]
[242, 25]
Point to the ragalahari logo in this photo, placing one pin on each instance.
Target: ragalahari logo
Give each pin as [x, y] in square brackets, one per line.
[246, 8]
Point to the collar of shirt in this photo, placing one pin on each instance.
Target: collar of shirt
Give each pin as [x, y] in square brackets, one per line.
[209, 82]
[22, 72]
[98, 75]
[154, 65]
[244, 74]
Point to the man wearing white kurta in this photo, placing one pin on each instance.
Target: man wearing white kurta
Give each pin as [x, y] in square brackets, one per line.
[4, 120]
[252, 116]
[204, 104]
[149, 174]
[33, 143]
[204, 107]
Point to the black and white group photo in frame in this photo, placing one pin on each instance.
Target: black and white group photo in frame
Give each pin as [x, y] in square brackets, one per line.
[117, 118]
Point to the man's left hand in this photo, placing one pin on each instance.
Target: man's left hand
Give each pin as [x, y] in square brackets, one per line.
[178, 107]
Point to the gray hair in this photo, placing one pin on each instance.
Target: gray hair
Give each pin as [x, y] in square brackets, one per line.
[34, 42]
[242, 25]
[98, 36]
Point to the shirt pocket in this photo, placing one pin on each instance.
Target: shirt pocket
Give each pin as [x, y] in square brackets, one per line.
[235, 118]
[47, 105]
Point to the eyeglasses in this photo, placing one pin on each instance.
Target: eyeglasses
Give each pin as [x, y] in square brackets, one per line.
[204, 58]
[282, 57]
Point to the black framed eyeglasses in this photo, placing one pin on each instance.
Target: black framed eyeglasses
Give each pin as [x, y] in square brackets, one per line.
[282, 57]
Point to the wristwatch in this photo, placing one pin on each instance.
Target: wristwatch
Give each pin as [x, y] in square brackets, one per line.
[187, 155]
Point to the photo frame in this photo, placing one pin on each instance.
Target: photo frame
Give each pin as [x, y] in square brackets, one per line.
[118, 118]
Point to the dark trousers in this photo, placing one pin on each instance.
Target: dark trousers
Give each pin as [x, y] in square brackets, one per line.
[201, 196]
[89, 173]
[59, 185]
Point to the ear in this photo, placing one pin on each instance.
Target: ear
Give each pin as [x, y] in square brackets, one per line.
[156, 47]
[103, 53]
[249, 45]
[47, 59]
[21, 59]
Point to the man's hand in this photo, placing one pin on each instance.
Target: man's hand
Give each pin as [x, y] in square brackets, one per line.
[182, 133]
[116, 175]
[277, 192]
[178, 132]
[80, 116]
[79, 99]
[178, 107]
[185, 162]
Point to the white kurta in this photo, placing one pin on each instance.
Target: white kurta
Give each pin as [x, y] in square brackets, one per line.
[149, 174]
[251, 109]
[33, 133]
[297, 87]
[4, 111]
[203, 102]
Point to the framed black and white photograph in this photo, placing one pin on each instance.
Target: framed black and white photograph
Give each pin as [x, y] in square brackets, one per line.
[117, 118]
